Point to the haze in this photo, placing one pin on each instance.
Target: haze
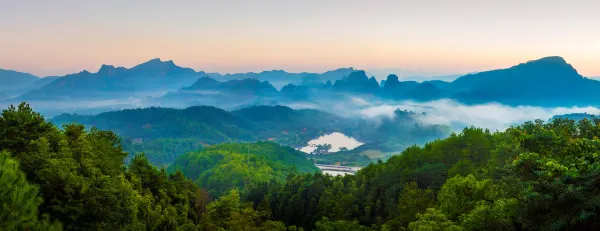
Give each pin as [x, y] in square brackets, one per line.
[442, 37]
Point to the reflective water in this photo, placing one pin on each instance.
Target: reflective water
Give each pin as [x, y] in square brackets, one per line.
[337, 140]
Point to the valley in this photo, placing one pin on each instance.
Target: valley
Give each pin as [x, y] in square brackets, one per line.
[335, 149]
[272, 115]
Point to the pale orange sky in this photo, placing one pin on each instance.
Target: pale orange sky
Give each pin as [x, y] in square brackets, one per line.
[446, 37]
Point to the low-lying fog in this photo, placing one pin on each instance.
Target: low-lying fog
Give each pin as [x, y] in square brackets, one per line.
[493, 116]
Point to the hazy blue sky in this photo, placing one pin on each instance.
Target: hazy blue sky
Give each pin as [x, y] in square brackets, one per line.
[55, 37]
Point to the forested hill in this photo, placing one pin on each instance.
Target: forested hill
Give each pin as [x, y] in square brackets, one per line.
[223, 167]
[212, 125]
[536, 176]
[165, 133]
[209, 124]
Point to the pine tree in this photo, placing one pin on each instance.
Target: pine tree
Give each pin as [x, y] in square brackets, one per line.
[19, 200]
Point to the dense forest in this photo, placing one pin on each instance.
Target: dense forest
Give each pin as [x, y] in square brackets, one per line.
[536, 176]
[163, 134]
[223, 167]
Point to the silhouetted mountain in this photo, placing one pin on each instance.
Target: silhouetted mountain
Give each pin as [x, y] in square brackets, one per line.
[410, 89]
[393, 88]
[295, 92]
[111, 82]
[547, 81]
[280, 78]
[204, 83]
[425, 91]
[11, 82]
[357, 82]
[391, 83]
[241, 86]
[442, 85]
[545, 70]
[13, 79]
[312, 80]
[445, 78]
[248, 87]
[229, 95]
[41, 82]
[337, 74]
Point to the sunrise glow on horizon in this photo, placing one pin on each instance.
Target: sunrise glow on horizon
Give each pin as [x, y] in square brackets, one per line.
[445, 37]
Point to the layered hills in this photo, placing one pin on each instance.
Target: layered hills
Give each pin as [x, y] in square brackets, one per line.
[548, 81]
[150, 130]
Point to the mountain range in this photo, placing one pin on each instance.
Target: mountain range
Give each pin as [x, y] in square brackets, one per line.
[13, 83]
[548, 81]
[110, 82]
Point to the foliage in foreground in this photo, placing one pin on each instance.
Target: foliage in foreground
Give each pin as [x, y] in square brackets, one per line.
[223, 167]
[84, 185]
[536, 176]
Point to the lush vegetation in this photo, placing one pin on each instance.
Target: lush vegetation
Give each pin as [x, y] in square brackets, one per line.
[163, 134]
[163, 151]
[536, 176]
[223, 167]
[73, 179]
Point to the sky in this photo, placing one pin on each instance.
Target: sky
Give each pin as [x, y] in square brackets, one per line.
[441, 37]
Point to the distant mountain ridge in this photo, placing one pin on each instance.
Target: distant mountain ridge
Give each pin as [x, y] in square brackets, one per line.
[548, 81]
[11, 79]
[545, 81]
[153, 75]
[14, 83]
[357, 81]
[280, 78]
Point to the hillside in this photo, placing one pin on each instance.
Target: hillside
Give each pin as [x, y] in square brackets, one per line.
[74, 179]
[236, 165]
[209, 124]
[535, 176]
[165, 133]
[212, 125]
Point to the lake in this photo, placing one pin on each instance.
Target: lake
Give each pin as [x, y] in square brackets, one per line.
[337, 140]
